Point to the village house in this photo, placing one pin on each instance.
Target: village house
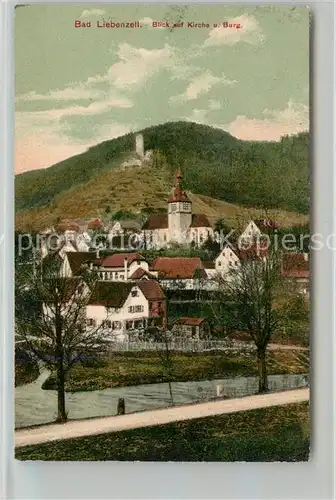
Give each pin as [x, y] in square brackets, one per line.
[191, 328]
[122, 307]
[73, 262]
[185, 273]
[258, 227]
[231, 257]
[179, 225]
[295, 268]
[123, 267]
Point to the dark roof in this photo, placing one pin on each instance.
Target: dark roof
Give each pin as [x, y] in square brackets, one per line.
[177, 267]
[265, 224]
[208, 264]
[156, 221]
[200, 220]
[78, 259]
[151, 289]
[190, 321]
[111, 293]
[117, 259]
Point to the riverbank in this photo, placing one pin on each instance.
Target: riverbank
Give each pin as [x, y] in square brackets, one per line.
[138, 368]
[280, 433]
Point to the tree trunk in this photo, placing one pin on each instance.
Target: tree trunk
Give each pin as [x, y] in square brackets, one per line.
[263, 383]
[60, 372]
[61, 414]
[171, 393]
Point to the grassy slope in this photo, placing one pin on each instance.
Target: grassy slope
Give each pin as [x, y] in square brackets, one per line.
[135, 368]
[133, 189]
[280, 433]
[216, 166]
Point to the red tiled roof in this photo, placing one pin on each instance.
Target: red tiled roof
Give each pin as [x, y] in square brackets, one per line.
[266, 224]
[294, 260]
[295, 265]
[156, 221]
[151, 289]
[296, 274]
[200, 220]
[139, 273]
[117, 259]
[95, 224]
[190, 321]
[177, 267]
[253, 253]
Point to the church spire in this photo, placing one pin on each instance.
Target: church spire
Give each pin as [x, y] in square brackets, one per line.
[178, 193]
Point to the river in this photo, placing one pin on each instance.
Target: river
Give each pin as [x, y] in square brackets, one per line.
[36, 406]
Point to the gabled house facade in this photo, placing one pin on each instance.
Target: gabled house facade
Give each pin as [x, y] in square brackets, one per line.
[122, 307]
[258, 227]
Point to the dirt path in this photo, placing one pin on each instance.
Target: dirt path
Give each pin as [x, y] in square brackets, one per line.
[89, 427]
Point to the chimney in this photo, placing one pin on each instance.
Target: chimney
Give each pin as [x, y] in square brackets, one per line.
[125, 267]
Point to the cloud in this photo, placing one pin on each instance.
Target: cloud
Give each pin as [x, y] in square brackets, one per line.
[78, 92]
[277, 123]
[214, 105]
[198, 116]
[201, 84]
[41, 141]
[249, 31]
[136, 66]
[91, 13]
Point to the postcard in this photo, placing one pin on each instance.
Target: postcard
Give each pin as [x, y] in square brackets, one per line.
[162, 245]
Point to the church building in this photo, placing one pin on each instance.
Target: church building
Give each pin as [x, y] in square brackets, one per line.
[179, 225]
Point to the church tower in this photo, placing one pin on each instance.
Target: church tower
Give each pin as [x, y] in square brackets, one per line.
[179, 212]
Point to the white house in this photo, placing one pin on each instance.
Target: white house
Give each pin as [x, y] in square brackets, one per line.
[227, 260]
[123, 267]
[258, 227]
[179, 225]
[123, 306]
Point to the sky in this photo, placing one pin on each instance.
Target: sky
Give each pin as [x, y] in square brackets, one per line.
[76, 87]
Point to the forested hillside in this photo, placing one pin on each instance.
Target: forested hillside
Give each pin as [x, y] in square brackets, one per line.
[215, 164]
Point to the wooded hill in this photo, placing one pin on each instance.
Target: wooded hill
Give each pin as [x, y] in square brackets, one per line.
[217, 169]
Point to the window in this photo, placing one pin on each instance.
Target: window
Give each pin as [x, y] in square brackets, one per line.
[122, 277]
[135, 309]
[185, 206]
[116, 325]
[219, 263]
[116, 275]
[135, 293]
[91, 322]
[165, 237]
[173, 207]
[107, 323]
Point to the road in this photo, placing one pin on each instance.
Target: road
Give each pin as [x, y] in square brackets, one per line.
[90, 427]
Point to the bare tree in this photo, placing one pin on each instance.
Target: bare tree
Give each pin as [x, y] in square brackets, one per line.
[253, 289]
[51, 320]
